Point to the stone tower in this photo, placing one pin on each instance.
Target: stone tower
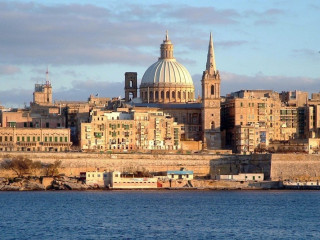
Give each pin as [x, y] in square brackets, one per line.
[131, 86]
[211, 102]
[42, 94]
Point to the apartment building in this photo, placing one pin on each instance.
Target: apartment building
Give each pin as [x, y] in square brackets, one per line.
[128, 130]
[34, 139]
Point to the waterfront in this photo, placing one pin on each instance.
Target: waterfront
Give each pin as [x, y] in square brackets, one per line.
[160, 215]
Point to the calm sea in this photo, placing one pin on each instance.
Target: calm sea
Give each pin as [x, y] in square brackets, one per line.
[160, 215]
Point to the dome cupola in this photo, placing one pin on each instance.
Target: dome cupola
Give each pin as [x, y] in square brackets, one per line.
[167, 80]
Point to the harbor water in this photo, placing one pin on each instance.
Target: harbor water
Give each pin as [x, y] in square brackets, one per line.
[160, 215]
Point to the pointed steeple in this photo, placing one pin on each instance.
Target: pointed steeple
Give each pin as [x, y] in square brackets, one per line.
[48, 83]
[211, 62]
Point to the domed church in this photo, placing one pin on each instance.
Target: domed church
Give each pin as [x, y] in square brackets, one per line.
[166, 81]
[167, 85]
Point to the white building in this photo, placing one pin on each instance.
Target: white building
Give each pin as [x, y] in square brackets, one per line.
[242, 177]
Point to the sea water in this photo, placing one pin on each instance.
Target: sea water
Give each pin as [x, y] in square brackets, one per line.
[160, 215]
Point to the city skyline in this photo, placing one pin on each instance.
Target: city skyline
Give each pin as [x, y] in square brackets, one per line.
[89, 45]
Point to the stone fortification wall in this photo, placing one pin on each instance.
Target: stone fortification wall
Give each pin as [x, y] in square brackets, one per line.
[235, 164]
[274, 166]
[74, 163]
[295, 166]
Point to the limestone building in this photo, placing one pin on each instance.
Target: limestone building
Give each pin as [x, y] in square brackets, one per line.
[252, 119]
[43, 92]
[34, 139]
[125, 130]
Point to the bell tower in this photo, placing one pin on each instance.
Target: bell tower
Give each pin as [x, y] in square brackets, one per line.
[131, 86]
[211, 102]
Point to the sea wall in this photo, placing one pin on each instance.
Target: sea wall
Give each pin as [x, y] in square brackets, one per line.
[295, 167]
[74, 163]
[274, 166]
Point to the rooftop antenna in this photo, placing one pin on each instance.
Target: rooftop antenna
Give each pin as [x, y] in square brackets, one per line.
[47, 77]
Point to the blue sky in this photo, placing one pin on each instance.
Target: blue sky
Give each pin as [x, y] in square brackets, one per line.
[89, 45]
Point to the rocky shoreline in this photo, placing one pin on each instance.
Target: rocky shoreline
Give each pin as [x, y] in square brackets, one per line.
[41, 184]
[72, 183]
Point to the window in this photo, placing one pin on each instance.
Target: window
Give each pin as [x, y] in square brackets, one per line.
[47, 125]
[25, 124]
[46, 139]
[18, 139]
[50, 139]
[212, 90]
[28, 139]
[38, 139]
[5, 138]
[56, 139]
[22, 139]
[212, 125]
[60, 139]
[11, 138]
[34, 139]
[66, 139]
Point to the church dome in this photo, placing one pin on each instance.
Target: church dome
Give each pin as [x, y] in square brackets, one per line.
[167, 71]
[166, 81]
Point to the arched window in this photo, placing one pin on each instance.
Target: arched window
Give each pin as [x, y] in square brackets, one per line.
[151, 94]
[173, 94]
[212, 125]
[157, 95]
[167, 94]
[184, 95]
[162, 94]
[212, 89]
[179, 94]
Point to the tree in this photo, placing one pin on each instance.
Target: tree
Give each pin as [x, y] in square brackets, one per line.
[20, 165]
[51, 169]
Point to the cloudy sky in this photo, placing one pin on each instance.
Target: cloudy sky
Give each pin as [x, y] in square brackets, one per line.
[89, 45]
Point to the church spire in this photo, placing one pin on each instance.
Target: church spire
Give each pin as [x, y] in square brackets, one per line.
[211, 63]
